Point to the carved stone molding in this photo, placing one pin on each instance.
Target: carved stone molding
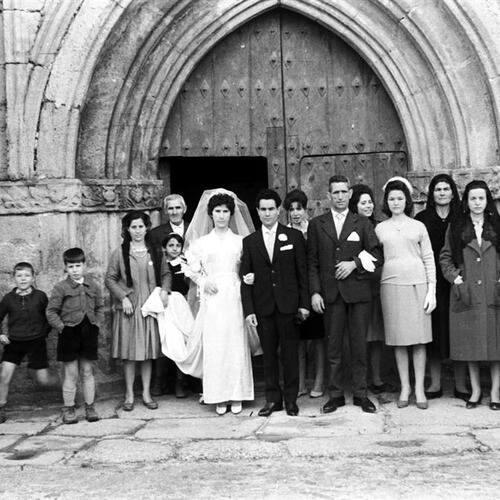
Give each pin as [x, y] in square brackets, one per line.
[421, 180]
[74, 195]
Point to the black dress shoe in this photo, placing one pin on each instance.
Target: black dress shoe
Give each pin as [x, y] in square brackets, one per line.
[494, 406]
[269, 407]
[292, 409]
[464, 396]
[433, 394]
[473, 404]
[333, 403]
[366, 405]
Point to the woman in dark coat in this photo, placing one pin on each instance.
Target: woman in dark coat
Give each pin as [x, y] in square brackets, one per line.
[470, 260]
[443, 206]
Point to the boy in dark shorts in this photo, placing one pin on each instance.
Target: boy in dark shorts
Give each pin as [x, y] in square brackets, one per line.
[27, 330]
[75, 310]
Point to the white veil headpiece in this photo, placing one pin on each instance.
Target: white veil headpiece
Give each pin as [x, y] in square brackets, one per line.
[201, 223]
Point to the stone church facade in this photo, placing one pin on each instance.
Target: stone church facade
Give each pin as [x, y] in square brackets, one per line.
[104, 103]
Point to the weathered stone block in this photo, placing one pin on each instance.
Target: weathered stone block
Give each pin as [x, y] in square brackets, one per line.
[21, 28]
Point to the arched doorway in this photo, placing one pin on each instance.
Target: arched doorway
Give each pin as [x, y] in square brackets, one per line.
[283, 88]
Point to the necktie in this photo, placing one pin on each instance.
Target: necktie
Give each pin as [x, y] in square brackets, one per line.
[269, 242]
[340, 223]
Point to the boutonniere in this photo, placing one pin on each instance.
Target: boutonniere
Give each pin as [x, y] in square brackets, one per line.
[282, 237]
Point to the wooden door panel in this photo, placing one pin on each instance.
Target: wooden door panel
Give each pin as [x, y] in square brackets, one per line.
[373, 169]
[284, 87]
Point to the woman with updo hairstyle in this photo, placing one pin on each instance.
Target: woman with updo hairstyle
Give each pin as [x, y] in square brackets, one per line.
[362, 203]
[312, 331]
[214, 241]
[470, 261]
[133, 273]
[407, 287]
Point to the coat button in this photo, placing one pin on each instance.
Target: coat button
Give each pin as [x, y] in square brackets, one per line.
[479, 282]
[338, 249]
[478, 259]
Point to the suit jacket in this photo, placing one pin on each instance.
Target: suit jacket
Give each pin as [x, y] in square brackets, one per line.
[280, 284]
[159, 233]
[325, 249]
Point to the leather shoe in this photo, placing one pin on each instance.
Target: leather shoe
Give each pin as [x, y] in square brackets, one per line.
[333, 403]
[464, 396]
[473, 404]
[433, 394]
[269, 407]
[292, 409]
[366, 405]
[150, 405]
[494, 406]
[128, 406]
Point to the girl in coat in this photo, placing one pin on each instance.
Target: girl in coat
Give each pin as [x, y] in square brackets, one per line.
[470, 260]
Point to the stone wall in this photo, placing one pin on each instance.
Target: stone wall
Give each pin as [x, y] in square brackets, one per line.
[86, 87]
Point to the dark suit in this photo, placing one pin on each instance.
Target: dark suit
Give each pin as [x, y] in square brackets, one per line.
[347, 301]
[280, 288]
[166, 370]
[159, 233]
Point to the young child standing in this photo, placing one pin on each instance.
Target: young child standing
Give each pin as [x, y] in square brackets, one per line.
[27, 331]
[75, 310]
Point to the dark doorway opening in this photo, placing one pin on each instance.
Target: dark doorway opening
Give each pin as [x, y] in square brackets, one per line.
[190, 176]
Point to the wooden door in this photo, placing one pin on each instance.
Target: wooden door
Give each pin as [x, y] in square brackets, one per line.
[285, 88]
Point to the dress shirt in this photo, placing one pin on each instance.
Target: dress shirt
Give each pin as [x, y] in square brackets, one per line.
[478, 229]
[178, 228]
[339, 219]
[269, 238]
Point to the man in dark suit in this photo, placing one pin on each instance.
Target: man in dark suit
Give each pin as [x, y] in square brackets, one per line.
[174, 207]
[167, 375]
[340, 288]
[276, 256]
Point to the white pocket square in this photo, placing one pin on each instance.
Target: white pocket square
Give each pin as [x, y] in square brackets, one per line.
[354, 236]
[286, 247]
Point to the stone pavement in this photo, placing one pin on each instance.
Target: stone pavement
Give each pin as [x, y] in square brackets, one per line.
[185, 431]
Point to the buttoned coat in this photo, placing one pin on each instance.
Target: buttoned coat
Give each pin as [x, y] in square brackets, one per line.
[475, 304]
[280, 284]
[325, 249]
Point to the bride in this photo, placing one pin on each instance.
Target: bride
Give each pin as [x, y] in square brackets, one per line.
[216, 346]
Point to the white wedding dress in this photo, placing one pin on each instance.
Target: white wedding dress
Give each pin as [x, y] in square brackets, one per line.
[215, 346]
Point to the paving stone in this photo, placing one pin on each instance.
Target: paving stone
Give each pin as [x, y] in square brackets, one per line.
[17, 459]
[105, 427]
[444, 412]
[226, 427]
[489, 437]
[51, 443]
[26, 428]
[381, 445]
[345, 421]
[6, 441]
[171, 407]
[120, 451]
[429, 429]
[230, 450]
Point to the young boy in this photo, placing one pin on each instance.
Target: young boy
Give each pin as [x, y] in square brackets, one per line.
[27, 330]
[75, 310]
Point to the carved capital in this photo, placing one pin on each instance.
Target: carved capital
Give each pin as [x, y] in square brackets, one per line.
[74, 195]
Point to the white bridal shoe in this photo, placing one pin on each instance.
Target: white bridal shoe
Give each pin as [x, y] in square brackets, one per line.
[236, 407]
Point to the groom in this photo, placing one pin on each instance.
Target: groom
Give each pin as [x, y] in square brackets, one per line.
[276, 255]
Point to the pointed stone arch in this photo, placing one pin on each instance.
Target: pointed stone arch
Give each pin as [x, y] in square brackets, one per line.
[425, 55]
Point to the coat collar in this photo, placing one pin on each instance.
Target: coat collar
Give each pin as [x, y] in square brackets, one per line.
[485, 245]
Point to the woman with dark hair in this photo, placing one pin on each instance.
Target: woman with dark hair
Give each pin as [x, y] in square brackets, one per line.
[213, 261]
[312, 329]
[470, 261]
[133, 273]
[443, 207]
[407, 287]
[362, 203]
